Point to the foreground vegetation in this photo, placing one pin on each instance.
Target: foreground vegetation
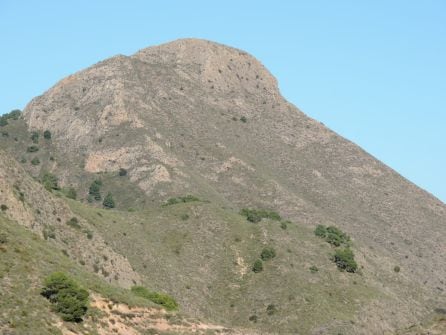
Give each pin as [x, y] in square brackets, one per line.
[36, 278]
[68, 298]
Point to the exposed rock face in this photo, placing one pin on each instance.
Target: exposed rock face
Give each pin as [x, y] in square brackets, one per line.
[197, 117]
[29, 204]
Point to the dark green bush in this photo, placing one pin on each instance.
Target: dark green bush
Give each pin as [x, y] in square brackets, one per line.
[179, 200]
[161, 299]
[313, 269]
[268, 253]
[344, 259]
[332, 235]
[13, 115]
[35, 161]
[397, 269]
[108, 202]
[74, 222]
[35, 137]
[68, 298]
[3, 208]
[122, 172]
[253, 217]
[32, 148]
[89, 234]
[258, 266]
[244, 119]
[284, 224]
[336, 236]
[95, 190]
[256, 215]
[47, 135]
[271, 309]
[50, 181]
[320, 230]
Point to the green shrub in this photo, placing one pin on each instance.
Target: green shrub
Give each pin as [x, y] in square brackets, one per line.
[284, 224]
[256, 215]
[179, 200]
[35, 161]
[89, 234]
[320, 230]
[108, 201]
[332, 235]
[35, 137]
[253, 217]
[344, 259]
[95, 190]
[68, 298]
[313, 269]
[122, 172]
[74, 222]
[336, 237]
[243, 119]
[161, 299]
[50, 181]
[258, 266]
[3, 208]
[397, 269]
[271, 309]
[32, 148]
[184, 217]
[14, 115]
[268, 253]
[47, 135]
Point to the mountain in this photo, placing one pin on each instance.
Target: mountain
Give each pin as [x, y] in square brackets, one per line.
[193, 117]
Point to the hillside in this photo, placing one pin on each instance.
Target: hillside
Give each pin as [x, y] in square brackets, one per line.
[24, 262]
[195, 117]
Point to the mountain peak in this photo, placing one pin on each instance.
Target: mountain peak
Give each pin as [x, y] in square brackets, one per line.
[226, 67]
[185, 137]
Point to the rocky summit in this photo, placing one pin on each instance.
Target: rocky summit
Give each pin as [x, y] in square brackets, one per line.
[186, 195]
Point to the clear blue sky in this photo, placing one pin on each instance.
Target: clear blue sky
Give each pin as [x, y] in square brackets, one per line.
[374, 71]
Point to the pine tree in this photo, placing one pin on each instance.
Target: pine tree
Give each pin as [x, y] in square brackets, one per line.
[95, 189]
[108, 201]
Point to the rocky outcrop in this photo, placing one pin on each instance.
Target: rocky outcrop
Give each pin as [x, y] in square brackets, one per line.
[31, 205]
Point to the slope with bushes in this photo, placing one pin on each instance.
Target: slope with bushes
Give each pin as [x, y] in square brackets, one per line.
[203, 165]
